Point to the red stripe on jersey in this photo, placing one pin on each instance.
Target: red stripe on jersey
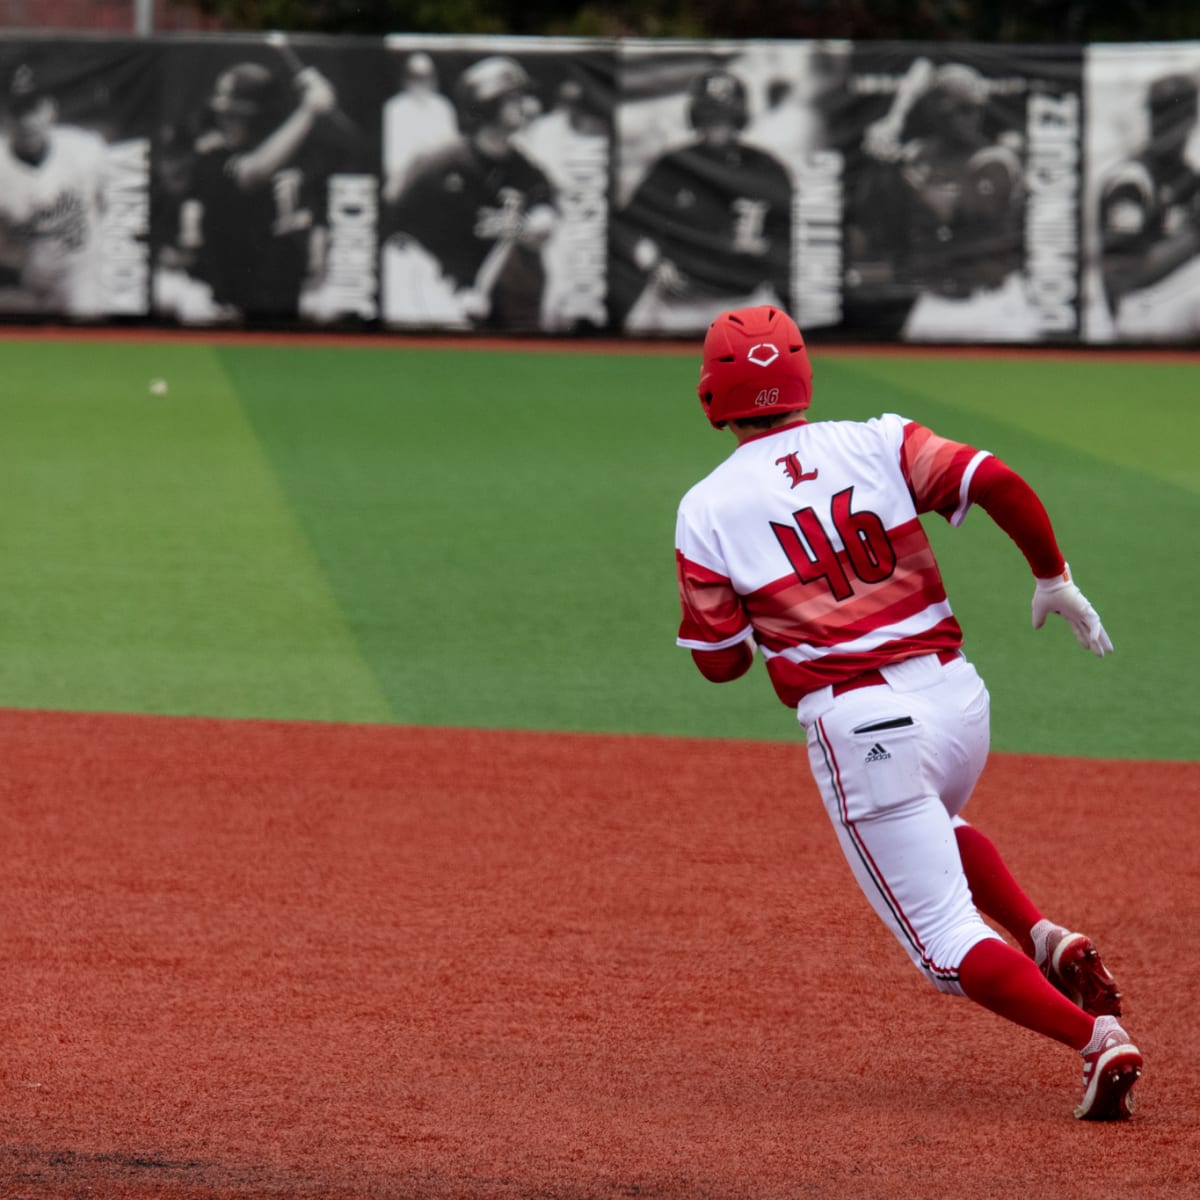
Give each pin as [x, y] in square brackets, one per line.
[712, 610]
[933, 467]
[790, 613]
[794, 680]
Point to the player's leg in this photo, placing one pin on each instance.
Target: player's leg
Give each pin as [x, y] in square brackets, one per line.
[882, 758]
[1082, 998]
[1003, 980]
[892, 809]
[996, 893]
[1069, 960]
[903, 853]
[992, 973]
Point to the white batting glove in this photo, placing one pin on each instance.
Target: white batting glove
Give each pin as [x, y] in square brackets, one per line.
[1060, 595]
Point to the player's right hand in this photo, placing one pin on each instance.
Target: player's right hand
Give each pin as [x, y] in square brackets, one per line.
[537, 226]
[316, 92]
[1060, 595]
[882, 140]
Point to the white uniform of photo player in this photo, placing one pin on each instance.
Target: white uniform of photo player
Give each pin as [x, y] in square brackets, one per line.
[418, 119]
[51, 203]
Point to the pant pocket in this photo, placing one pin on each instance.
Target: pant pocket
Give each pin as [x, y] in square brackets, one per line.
[888, 765]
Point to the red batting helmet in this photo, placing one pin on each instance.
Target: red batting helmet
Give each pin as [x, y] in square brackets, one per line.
[754, 364]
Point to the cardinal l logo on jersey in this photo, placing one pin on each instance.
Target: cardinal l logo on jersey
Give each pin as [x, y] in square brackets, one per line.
[763, 355]
[795, 472]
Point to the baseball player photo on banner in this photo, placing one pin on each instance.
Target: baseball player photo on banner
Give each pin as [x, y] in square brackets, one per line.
[267, 182]
[963, 203]
[496, 179]
[1142, 193]
[75, 178]
[729, 183]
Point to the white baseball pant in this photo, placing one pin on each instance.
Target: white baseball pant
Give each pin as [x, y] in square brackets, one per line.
[895, 764]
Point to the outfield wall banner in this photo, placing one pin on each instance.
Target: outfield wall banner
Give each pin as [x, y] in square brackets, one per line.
[497, 163]
[1142, 194]
[267, 181]
[963, 183]
[75, 185]
[924, 193]
[727, 183]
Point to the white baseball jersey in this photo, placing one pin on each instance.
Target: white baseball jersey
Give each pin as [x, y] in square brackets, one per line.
[414, 123]
[52, 212]
[808, 537]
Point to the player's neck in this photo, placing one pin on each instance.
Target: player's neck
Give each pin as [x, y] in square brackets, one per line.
[746, 431]
[492, 143]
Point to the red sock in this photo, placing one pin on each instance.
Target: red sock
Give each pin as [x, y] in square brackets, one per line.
[1003, 980]
[995, 892]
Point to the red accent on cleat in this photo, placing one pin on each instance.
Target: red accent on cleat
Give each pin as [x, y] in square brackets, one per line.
[1074, 966]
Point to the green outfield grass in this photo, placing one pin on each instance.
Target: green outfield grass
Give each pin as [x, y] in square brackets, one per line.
[449, 536]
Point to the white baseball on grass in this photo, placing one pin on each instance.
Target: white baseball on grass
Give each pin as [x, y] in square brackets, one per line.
[158, 387]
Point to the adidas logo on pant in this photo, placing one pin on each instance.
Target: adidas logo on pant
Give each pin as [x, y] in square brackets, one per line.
[876, 754]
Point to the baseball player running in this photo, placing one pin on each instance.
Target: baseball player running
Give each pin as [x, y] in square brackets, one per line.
[806, 543]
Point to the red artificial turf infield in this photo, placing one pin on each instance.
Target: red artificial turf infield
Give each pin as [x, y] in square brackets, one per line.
[260, 959]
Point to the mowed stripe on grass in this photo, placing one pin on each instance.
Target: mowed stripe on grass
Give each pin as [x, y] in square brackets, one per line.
[297, 959]
[152, 563]
[446, 536]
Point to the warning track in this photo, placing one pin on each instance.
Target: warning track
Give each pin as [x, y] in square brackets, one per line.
[540, 344]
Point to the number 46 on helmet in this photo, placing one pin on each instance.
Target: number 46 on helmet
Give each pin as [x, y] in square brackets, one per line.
[755, 364]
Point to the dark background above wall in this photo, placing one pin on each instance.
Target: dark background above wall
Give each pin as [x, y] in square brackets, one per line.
[925, 20]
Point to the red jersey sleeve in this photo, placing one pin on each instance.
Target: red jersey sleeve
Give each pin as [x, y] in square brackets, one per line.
[724, 666]
[1016, 508]
[713, 616]
[938, 471]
